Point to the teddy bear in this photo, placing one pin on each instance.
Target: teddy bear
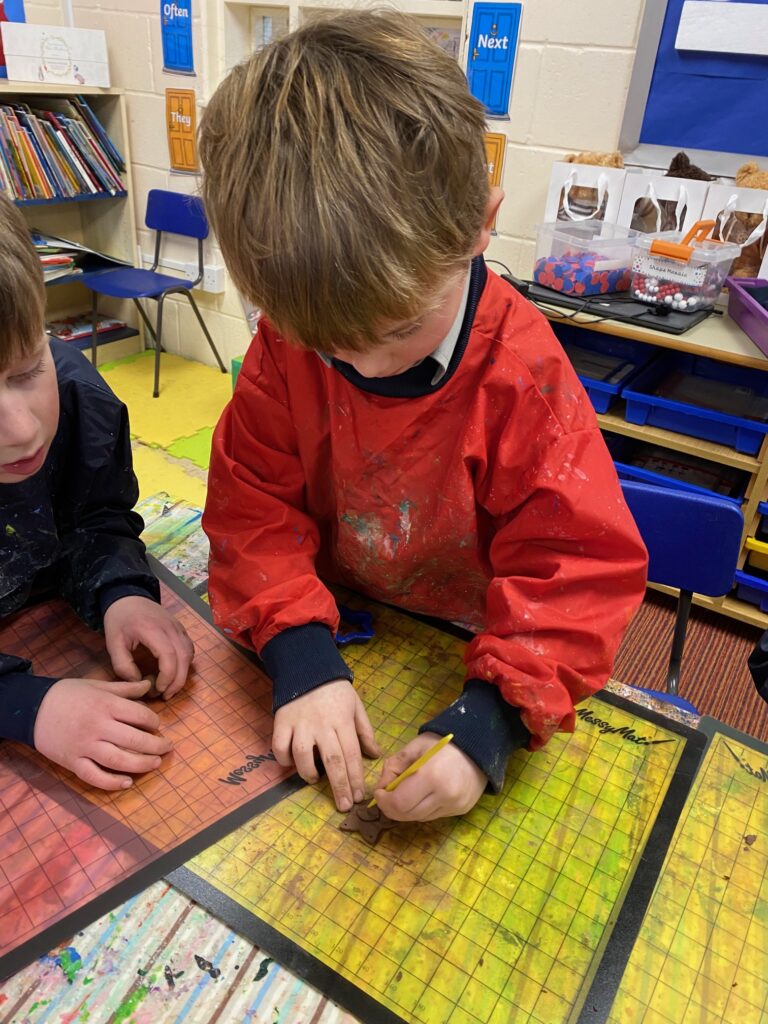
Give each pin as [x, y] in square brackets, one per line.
[582, 199]
[740, 226]
[648, 218]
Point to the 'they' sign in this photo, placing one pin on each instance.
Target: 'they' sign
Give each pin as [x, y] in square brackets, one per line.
[491, 54]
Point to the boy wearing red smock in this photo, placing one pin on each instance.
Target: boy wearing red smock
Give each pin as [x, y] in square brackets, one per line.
[404, 422]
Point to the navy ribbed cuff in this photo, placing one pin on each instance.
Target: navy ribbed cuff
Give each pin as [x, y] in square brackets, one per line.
[300, 659]
[484, 726]
[21, 695]
[115, 592]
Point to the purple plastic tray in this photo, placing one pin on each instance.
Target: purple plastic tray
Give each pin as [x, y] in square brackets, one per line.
[746, 311]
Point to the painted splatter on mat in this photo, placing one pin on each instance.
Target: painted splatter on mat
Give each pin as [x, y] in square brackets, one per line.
[502, 915]
[703, 947]
[160, 959]
[63, 844]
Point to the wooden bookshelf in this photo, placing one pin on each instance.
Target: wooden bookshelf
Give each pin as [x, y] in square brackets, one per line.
[101, 221]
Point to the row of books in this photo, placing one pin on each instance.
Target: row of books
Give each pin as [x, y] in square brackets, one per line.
[62, 258]
[59, 152]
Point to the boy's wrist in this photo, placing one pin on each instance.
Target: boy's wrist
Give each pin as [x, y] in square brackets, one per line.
[484, 726]
[300, 659]
[21, 695]
[117, 591]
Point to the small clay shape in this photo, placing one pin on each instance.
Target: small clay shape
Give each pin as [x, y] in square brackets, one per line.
[152, 693]
[368, 821]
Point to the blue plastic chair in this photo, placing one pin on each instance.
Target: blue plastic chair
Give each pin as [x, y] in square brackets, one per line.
[693, 543]
[171, 213]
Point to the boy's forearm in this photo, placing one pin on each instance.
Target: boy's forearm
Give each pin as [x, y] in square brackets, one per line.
[484, 726]
[300, 659]
[21, 694]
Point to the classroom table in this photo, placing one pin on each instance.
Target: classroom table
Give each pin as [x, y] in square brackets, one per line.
[160, 956]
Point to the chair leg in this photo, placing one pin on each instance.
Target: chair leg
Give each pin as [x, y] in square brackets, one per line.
[94, 333]
[146, 321]
[158, 342]
[678, 640]
[208, 337]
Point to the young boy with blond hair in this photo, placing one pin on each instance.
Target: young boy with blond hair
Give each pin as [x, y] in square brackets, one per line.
[67, 489]
[404, 422]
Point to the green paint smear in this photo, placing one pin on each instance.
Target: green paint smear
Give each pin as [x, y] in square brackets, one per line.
[125, 361]
[69, 966]
[127, 1009]
[196, 447]
[9, 531]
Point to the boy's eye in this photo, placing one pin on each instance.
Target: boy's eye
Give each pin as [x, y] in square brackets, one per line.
[29, 374]
[406, 332]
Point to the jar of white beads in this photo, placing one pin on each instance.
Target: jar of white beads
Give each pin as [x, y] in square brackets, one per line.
[685, 274]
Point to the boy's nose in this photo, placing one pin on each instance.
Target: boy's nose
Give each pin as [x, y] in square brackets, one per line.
[19, 428]
[374, 366]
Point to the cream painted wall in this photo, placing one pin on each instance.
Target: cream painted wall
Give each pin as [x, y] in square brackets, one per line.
[570, 85]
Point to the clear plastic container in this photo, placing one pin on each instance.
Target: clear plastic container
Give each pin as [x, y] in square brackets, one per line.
[685, 273]
[587, 257]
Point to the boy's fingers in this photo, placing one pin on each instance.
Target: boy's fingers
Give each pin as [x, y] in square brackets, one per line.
[123, 664]
[119, 760]
[281, 746]
[137, 740]
[90, 773]
[365, 732]
[336, 770]
[131, 712]
[353, 761]
[130, 691]
[303, 751]
[394, 765]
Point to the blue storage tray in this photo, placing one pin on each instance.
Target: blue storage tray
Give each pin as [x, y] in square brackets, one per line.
[644, 406]
[601, 393]
[620, 448]
[753, 589]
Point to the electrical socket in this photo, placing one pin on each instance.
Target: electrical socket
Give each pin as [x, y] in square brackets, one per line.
[213, 278]
[214, 274]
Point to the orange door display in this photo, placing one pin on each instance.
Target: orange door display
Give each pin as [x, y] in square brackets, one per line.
[180, 121]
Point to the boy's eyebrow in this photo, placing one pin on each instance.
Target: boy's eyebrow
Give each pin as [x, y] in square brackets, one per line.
[401, 327]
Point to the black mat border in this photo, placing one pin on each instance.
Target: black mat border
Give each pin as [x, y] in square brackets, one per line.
[605, 983]
[42, 943]
[710, 727]
[283, 950]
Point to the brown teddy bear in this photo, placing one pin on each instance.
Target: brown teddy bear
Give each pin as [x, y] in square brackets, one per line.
[740, 226]
[582, 199]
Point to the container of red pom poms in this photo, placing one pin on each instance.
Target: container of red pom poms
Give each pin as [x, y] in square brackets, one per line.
[590, 257]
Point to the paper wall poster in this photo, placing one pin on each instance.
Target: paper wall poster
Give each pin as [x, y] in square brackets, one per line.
[176, 31]
[10, 10]
[491, 54]
[180, 124]
[55, 54]
[495, 144]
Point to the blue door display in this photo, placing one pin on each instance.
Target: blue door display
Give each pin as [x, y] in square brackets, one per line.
[491, 54]
[176, 27]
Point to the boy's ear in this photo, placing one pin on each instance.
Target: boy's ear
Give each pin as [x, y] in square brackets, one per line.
[495, 197]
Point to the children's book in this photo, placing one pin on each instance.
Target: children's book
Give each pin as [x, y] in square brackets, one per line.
[71, 328]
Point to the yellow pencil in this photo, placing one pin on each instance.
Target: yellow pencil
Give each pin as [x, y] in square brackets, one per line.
[418, 763]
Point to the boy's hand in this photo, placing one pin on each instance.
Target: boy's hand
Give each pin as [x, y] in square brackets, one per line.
[450, 783]
[132, 621]
[332, 719]
[98, 730]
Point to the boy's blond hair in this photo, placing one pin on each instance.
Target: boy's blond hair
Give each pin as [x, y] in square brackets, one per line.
[22, 290]
[345, 176]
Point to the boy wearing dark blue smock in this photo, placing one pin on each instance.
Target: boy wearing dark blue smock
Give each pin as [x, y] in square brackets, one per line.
[67, 490]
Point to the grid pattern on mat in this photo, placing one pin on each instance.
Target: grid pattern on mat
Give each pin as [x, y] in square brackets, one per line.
[63, 843]
[701, 951]
[501, 915]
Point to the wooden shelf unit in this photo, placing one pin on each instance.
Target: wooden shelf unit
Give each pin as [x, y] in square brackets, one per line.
[107, 224]
[717, 337]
